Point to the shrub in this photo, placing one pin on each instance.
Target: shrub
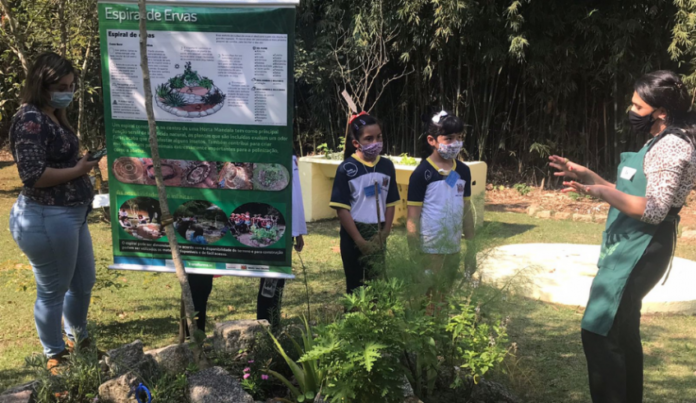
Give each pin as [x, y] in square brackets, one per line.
[522, 188]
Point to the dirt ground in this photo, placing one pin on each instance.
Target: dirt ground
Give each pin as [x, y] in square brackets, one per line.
[510, 200]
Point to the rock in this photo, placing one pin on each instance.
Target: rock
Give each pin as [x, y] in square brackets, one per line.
[238, 334]
[600, 218]
[531, 211]
[30, 386]
[582, 217]
[125, 358]
[173, 359]
[688, 234]
[130, 358]
[118, 390]
[543, 214]
[491, 392]
[26, 396]
[412, 399]
[407, 388]
[561, 216]
[215, 385]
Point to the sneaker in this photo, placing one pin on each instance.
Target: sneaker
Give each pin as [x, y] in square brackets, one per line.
[56, 361]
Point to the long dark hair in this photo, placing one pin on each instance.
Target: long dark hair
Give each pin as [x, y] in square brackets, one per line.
[664, 89]
[356, 128]
[449, 124]
[47, 69]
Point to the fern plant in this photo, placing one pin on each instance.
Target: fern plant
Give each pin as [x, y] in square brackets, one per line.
[307, 373]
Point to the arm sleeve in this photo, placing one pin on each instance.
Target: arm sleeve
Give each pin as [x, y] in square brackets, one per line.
[30, 144]
[341, 194]
[393, 196]
[664, 172]
[416, 188]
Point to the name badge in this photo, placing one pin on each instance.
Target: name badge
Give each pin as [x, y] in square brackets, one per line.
[628, 173]
[452, 178]
[369, 191]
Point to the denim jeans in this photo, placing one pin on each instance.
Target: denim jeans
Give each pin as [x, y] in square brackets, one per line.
[57, 242]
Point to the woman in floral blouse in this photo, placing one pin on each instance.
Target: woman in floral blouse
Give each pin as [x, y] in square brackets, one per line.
[49, 219]
[641, 231]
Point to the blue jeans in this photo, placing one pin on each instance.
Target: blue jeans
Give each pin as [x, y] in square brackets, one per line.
[57, 242]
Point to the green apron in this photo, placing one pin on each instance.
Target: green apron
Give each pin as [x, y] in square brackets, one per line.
[623, 243]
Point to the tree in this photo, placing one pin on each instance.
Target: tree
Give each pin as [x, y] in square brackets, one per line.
[167, 220]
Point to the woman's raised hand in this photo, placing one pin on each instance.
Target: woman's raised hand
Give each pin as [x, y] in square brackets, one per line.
[567, 168]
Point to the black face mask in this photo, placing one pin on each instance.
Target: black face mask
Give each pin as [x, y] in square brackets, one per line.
[641, 123]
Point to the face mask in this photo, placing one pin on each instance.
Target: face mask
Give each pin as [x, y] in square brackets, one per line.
[450, 151]
[61, 100]
[371, 151]
[641, 123]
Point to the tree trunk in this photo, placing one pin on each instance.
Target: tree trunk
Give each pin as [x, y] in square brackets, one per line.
[18, 47]
[81, 101]
[167, 219]
[63, 46]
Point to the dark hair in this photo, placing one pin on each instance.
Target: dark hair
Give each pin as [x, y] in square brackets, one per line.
[356, 130]
[664, 89]
[198, 231]
[449, 124]
[47, 69]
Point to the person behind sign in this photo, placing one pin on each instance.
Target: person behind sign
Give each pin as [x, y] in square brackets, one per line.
[354, 198]
[269, 299]
[49, 219]
[439, 191]
[641, 231]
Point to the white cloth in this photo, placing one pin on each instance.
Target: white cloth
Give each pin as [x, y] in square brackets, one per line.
[299, 225]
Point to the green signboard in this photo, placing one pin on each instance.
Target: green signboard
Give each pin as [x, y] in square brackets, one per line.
[222, 85]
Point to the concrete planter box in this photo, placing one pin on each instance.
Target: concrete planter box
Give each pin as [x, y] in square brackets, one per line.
[317, 174]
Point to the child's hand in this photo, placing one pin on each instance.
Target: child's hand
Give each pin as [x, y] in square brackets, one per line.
[299, 243]
[380, 236]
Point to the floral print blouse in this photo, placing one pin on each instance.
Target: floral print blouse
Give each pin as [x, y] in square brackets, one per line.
[37, 143]
[670, 168]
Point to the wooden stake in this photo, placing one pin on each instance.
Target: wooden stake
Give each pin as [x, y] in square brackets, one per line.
[167, 220]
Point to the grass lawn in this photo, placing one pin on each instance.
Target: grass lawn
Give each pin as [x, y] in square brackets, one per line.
[549, 365]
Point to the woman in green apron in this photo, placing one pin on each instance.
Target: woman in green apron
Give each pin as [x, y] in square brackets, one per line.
[640, 236]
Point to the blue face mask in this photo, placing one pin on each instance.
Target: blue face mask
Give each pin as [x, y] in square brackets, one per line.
[61, 100]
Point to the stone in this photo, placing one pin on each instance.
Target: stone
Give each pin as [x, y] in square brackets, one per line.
[130, 357]
[125, 358]
[487, 392]
[688, 235]
[237, 335]
[26, 396]
[30, 386]
[562, 216]
[600, 218]
[173, 359]
[543, 214]
[413, 399]
[119, 390]
[406, 387]
[582, 217]
[215, 385]
[531, 211]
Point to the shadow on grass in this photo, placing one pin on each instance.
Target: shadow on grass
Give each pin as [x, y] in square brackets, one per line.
[10, 193]
[9, 378]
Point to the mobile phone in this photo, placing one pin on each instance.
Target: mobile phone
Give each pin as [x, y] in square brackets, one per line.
[97, 155]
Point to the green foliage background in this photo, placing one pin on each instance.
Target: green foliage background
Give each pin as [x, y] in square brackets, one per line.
[530, 77]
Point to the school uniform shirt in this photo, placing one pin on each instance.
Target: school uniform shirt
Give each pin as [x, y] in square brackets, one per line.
[442, 202]
[353, 176]
[299, 225]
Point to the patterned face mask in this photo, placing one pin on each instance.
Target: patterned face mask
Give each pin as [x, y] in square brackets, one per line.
[450, 151]
[371, 151]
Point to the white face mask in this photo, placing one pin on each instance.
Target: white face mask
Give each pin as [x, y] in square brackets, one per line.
[450, 151]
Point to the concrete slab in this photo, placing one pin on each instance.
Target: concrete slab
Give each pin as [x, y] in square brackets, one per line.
[563, 274]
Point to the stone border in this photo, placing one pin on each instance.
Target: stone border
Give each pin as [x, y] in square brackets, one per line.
[184, 114]
[537, 212]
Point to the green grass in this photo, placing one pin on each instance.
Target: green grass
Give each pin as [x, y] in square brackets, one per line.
[549, 365]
